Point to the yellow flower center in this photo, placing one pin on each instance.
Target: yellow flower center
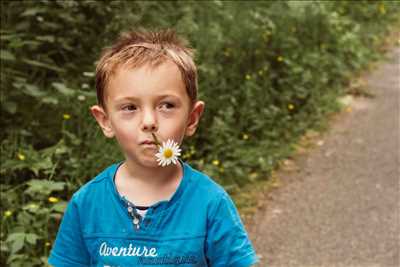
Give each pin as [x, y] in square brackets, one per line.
[168, 153]
[53, 199]
[8, 213]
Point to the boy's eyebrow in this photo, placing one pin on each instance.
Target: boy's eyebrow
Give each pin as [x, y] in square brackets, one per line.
[169, 95]
[126, 98]
[136, 98]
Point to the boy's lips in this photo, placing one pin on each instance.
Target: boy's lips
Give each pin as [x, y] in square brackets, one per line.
[148, 142]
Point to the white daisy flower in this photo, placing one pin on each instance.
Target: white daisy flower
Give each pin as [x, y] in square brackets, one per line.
[168, 153]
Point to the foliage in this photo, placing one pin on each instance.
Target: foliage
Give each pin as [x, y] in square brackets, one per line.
[267, 71]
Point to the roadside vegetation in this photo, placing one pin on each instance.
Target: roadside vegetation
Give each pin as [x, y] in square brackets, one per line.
[268, 71]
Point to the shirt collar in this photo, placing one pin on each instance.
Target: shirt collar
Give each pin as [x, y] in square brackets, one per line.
[161, 205]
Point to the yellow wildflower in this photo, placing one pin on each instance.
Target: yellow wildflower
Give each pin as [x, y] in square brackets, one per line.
[290, 106]
[221, 169]
[7, 213]
[215, 162]
[245, 136]
[248, 76]
[21, 156]
[280, 59]
[47, 244]
[382, 9]
[33, 206]
[53, 199]
[186, 155]
[253, 175]
[66, 116]
[260, 72]
[192, 150]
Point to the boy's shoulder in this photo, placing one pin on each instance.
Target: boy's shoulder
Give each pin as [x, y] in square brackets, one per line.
[204, 182]
[97, 183]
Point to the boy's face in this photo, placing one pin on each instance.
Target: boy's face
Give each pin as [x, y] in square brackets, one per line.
[143, 101]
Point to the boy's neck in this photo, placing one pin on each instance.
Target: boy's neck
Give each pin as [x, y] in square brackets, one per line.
[152, 177]
[144, 187]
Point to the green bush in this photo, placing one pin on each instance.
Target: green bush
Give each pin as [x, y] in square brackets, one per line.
[267, 72]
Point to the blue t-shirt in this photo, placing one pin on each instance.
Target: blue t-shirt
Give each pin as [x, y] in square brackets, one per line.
[198, 226]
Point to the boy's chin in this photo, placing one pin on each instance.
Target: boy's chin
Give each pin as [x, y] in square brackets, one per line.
[155, 165]
[151, 163]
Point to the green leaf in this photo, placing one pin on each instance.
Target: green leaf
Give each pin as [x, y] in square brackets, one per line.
[33, 90]
[42, 65]
[32, 238]
[3, 247]
[88, 74]
[24, 132]
[17, 245]
[15, 260]
[18, 85]
[46, 38]
[50, 100]
[44, 187]
[63, 89]
[17, 241]
[6, 55]
[33, 11]
[44, 260]
[60, 206]
[43, 164]
[74, 139]
[10, 107]
[7, 37]
[87, 93]
[15, 236]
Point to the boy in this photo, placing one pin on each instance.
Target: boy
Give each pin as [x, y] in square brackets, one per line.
[136, 212]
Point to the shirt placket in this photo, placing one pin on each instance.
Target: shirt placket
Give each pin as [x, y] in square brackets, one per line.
[133, 213]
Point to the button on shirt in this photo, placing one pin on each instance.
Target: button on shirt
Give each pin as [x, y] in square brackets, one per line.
[198, 226]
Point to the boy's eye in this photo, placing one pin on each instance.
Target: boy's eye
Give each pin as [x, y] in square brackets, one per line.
[129, 108]
[167, 105]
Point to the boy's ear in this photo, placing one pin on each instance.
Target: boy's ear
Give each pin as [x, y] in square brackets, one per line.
[102, 119]
[194, 118]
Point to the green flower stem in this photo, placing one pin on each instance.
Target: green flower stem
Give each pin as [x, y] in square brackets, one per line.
[156, 140]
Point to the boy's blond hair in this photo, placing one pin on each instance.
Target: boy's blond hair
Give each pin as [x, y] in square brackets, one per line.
[137, 48]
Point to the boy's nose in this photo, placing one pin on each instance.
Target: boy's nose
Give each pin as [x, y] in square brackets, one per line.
[149, 122]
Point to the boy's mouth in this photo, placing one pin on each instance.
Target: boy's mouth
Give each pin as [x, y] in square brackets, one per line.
[148, 142]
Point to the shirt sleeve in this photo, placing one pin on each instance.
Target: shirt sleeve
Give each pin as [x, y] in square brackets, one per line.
[227, 243]
[69, 248]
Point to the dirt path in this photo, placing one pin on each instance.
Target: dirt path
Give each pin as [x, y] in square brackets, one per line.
[342, 206]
